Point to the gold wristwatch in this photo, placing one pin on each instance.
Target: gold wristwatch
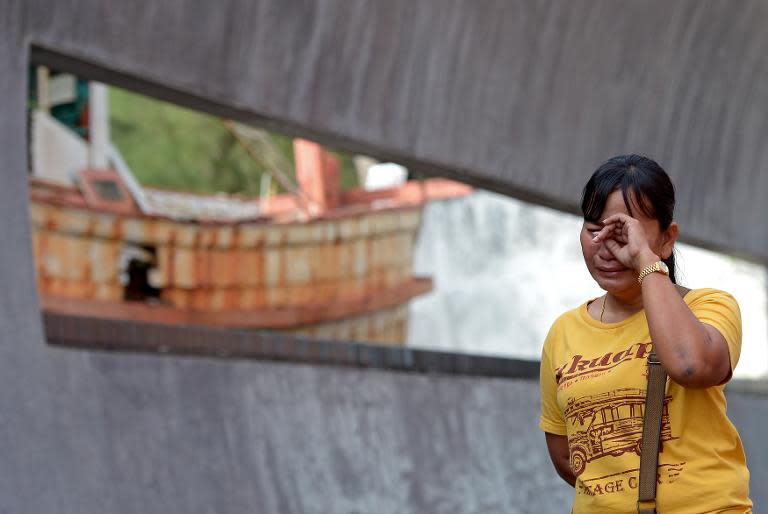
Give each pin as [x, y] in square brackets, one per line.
[658, 266]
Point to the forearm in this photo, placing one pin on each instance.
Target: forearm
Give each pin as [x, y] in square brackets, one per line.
[557, 445]
[563, 469]
[680, 340]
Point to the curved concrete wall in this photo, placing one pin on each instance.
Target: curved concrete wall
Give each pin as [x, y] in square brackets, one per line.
[120, 433]
[128, 434]
[522, 97]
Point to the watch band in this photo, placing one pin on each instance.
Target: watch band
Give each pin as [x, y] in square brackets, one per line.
[651, 268]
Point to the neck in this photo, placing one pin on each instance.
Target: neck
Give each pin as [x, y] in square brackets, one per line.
[624, 303]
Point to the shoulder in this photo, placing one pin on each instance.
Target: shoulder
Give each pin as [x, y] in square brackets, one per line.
[711, 296]
[568, 321]
[569, 317]
[719, 309]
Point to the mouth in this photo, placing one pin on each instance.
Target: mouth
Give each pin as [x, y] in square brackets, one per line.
[612, 270]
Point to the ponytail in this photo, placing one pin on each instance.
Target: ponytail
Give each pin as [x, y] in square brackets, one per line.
[670, 262]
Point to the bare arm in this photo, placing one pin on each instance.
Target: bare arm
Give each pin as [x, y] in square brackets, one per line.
[559, 453]
[694, 354]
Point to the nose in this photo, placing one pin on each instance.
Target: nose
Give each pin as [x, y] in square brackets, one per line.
[604, 253]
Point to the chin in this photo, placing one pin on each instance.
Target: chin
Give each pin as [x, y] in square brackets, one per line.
[617, 284]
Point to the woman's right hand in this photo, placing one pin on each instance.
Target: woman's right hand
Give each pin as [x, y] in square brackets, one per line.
[625, 238]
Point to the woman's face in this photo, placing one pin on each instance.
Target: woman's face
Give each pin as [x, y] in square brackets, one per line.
[608, 272]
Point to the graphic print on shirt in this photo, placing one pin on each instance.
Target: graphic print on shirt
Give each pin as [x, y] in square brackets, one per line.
[580, 368]
[609, 424]
[628, 480]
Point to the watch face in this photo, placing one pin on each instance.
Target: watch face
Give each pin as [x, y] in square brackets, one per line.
[663, 266]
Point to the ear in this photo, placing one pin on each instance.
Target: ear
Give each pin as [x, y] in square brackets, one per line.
[668, 239]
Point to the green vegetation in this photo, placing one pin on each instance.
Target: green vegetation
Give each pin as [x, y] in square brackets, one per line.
[172, 147]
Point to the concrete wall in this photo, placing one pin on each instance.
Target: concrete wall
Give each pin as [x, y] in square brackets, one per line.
[128, 433]
[84, 432]
[521, 97]
[749, 412]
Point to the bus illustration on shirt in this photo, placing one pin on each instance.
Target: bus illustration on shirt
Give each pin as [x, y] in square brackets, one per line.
[609, 424]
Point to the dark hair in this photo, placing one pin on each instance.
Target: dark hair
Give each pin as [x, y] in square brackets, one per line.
[636, 176]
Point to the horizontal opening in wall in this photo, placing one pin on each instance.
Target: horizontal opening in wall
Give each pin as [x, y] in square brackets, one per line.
[145, 212]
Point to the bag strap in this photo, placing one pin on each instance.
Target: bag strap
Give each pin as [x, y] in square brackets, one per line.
[649, 453]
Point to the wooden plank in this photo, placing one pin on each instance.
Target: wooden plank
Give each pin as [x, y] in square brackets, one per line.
[272, 318]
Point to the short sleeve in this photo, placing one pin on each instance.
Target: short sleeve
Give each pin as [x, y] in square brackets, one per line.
[720, 310]
[552, 419]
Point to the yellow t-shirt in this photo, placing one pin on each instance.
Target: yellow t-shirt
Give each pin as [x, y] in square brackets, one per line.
[593, 382]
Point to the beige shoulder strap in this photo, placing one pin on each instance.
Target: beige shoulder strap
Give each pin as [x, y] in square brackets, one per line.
[649, 454]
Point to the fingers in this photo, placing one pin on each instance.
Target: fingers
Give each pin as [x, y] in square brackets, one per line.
[620, 233]
[616, 227]
[613, 247]
[611, 231]
[617, 218]
[605, 232]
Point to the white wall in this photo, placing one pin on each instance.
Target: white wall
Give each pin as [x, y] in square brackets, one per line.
[57, 152]
[504, 270]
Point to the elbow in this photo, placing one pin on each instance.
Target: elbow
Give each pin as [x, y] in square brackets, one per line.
[693, 378]
[695, 373]
[688, 375]
[695, 365]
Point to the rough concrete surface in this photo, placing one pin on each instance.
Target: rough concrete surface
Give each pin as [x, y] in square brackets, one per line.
[524, 97]
[128, 433]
